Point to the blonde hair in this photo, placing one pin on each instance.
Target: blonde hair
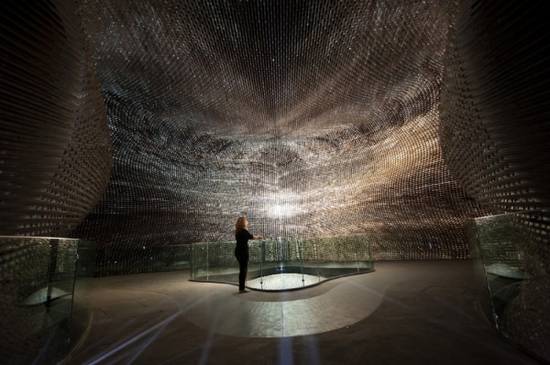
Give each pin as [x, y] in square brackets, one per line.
[241, 224]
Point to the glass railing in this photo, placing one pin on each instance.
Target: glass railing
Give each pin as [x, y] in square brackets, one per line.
[282, 264]
[38, 279]
[517, 280]
[498, 249]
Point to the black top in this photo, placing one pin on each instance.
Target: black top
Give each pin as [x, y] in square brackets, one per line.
[242, 238]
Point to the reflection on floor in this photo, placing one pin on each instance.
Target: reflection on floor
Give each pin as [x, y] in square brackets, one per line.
[284, 281]
[404, 312]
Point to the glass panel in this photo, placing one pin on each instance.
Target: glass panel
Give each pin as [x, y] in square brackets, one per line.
[222, 264]
[38, 276]
[255, 270]
[499, 250]
[199, 260]
[279, 264]
[517, 279]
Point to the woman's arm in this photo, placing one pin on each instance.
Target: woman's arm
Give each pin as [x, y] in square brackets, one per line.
[257, 237]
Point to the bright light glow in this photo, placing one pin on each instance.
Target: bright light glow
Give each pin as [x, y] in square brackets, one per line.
[283, 210]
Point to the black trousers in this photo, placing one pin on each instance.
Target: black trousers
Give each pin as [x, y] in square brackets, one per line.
[242, 257]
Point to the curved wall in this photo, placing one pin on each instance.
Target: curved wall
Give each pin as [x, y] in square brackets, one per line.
[55, 157]
[494, 128]
[494, 136]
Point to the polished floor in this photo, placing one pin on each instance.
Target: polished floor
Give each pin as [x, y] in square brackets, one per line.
[403, 313]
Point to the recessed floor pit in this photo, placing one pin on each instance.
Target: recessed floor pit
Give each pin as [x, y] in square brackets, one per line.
[284, 281]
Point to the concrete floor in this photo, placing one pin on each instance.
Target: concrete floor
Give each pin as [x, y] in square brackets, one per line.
[404, 312]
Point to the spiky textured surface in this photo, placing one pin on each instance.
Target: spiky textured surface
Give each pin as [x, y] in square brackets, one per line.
[55, 152]
[319, 119]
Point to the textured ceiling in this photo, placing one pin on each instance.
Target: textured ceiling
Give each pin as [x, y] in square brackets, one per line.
[271, 68]
[317, 118]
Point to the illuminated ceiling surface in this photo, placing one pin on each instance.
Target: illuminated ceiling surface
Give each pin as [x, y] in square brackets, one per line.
[317, 118]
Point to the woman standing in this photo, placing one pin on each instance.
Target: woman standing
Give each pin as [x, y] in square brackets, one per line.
[241, 250]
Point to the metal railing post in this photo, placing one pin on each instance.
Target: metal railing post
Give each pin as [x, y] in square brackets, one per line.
[300, 248]
[207, 262]
[262, 256]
